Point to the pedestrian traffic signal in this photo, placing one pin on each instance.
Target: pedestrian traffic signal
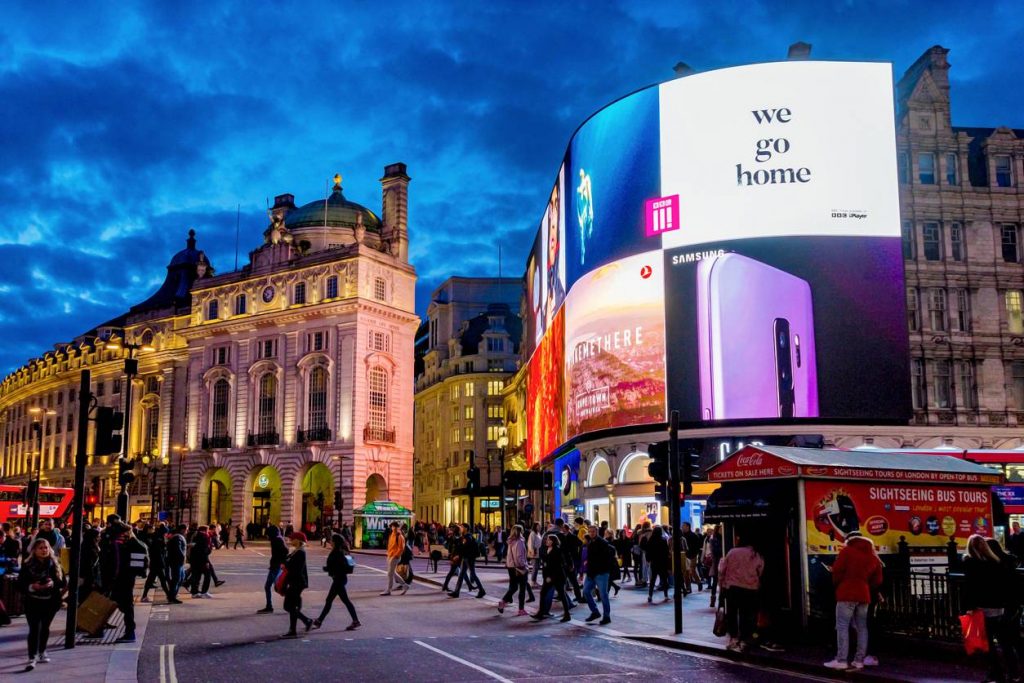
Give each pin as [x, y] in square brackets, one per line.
[108, 421]
[125, 475]
[660, 492]
[658, 467]
[172, 500]
[690, 466]
[472, 479]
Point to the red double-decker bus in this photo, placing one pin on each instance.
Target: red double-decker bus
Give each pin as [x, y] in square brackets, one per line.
[54, 503]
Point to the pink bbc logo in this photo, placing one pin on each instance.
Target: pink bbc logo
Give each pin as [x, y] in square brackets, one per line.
[662, 215]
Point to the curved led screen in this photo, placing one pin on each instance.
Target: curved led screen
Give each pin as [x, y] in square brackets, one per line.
[726, 245]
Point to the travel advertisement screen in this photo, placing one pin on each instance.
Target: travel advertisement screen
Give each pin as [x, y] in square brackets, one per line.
[762, 201]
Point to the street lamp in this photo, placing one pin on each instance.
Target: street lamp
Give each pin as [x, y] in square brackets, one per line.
[502, 442]
[131, 369]
[340, 502]
[181, 457]
[152, 465]
[37, 427]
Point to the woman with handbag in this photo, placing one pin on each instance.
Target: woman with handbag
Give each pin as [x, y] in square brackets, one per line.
[42, 582]
[339, 565]
[740, 575]
[294, 581]
[515, 562]
[988, 585]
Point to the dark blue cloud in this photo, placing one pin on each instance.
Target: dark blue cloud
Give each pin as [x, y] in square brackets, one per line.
[125, 127]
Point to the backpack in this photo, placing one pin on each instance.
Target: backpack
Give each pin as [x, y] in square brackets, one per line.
[349, 565]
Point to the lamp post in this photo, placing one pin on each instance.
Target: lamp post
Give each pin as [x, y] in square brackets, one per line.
[180, 494]
[131, 369]
[152, 466]
[37, 427]
[502, 442]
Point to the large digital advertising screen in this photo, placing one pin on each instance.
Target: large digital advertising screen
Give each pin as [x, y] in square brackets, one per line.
[763, 201]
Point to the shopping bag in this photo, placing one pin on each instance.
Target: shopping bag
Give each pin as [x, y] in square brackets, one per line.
[975, 637]
[403, 571]
[94, 613]
[281, 581]
[720, 628]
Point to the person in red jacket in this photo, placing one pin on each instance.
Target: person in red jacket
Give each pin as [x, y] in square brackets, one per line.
[856, 575]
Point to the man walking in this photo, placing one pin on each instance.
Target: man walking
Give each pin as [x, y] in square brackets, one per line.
[157, 544]
[600, 556]
[396, 548]
[468, 551]
[278, 554]
[176, 547]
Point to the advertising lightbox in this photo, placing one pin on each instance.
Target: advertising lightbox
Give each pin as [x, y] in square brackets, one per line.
[769, 195]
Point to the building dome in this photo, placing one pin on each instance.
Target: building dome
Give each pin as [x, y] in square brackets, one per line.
[185, 268]
[341, 213]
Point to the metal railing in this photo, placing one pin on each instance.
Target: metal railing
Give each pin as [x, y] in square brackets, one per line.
[318, 434]
[924, 602]
[264, 439]
[209, 443]
[378, 434]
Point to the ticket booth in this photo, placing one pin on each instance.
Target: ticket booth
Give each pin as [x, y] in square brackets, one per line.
[799, 504]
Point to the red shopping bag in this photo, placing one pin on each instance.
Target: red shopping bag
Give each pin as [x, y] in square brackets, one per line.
[975, 637]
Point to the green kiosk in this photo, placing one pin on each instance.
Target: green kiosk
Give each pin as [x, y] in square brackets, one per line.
[373, 519]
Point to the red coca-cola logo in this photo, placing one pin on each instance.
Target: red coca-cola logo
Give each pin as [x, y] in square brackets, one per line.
[817, 470]
[877, 525]
[786, 470]
[751, 460]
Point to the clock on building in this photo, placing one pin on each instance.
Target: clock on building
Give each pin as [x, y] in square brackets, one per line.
[268, 294]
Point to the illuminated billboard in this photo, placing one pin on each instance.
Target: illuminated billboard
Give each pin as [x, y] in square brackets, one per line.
[763, 201]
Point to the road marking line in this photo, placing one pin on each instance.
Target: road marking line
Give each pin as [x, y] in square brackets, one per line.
[163, 664]
[460, 660]
[172, 673]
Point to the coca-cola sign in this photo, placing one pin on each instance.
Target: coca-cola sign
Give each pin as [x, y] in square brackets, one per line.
[755, 459]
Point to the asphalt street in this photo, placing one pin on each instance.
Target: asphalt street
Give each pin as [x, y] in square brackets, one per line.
[421, 636]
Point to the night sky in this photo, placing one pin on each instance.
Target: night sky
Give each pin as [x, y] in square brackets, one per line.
[126, 124]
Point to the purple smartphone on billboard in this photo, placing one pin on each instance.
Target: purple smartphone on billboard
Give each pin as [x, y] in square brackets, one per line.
[755, 341]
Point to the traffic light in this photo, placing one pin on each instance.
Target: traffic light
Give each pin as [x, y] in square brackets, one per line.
[472, 479]
[337, 499]
[660, 491]
[108, 421]
[658, 467]
[690, 465]
[547, 480]
[125, 475]
[172, 500]
[31, 491]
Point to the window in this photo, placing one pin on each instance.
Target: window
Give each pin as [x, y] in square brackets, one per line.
[1011, 250]
[968, 387]
[455, 413]
[951, 169]
[71, 395]
[152, 440]
[467, 412]
[380, 341]
[926, 168]
[963, 310]
[937, 309]
[266, 348]
[932, 242]
[904, 167]
[494, 365]
[456, 434]
[455, 392]
[331, 288]
[222, 355]
[316, 341]
[58, 425]
[943, 384]
[60, 398]
[469, 389]
[221, 395]
[152, 385]
[317, 399]
[493, 432]
[299, 293]
[1014, 321]
[101, 388]
[956, 241]
[468, 434]
[380, 290]
[912, 309]
[495, 386]
[378, 408]
[266, 423]
[495, 345]
[240, 304]
[212, 310]
[909, 246]
[116, 387]
[71, 422]
[1018, 384]
[496, 411]
[1004, 174]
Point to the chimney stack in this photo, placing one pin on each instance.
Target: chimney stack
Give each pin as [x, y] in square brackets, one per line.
[395, 209]
[682, 69]
[800, 50]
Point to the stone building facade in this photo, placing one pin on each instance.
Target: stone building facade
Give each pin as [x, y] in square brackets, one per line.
[470, 348]
[273, 390]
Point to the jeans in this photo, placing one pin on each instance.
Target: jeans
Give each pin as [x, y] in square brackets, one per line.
[175, 577]
[268, 586]
[547, 594]
[516, 581]
[468, 574]
[855, 613]
[601, 583]
[154, 574]
[741, 613]
[393, 563]
[201, 573]
[338, 589]
[536, 565]
[39, 614]
[657, 572]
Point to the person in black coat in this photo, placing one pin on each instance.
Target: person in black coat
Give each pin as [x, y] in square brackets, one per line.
[656, 551]
[176, 549]
[42, 582]
[339, 565]
[554, 571]
[278, 554]
[989, 586]
[199, 561]
[89, 572]
[296, 580]
[156, 541]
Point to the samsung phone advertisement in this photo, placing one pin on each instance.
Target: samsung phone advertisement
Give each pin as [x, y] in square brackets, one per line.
[763, 201]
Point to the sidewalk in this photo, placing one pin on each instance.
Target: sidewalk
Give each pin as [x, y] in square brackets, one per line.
[92, 659]
[633, 618]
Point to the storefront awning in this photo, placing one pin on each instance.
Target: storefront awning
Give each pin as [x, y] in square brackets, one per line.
[778, 462]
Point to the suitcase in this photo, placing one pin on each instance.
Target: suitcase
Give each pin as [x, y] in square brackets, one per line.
[94, 613]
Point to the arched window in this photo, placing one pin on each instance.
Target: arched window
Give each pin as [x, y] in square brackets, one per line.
[267, 404]
[317, 421]
[152, 441]
[221, 393]
[378, 408]
[147, 338]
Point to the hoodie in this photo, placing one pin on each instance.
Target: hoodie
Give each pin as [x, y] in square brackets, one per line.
[857, 572]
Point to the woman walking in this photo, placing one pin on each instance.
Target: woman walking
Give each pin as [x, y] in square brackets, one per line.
[42, 582]
[339, 565]
[856, 575]
[555, 574]
[515, 562]
[740, 577]
[988, 586]
[295, 582]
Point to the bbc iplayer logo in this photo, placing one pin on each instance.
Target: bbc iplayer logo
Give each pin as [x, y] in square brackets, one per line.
[662, 215]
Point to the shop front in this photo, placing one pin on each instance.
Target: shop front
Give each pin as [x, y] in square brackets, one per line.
[799, 506]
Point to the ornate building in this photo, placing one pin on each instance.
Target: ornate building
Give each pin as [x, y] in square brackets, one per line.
[270, 391]
[471, 347]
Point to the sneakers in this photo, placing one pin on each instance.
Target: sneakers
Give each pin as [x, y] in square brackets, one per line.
[404, 588]
[31, 664]
[857, 665]
[594, 616]
[44, 658]
[144, 598]
[871, 660]
[386, 593]
[733, 645]
[316, 624]
[219, 583]
[837, 665]
[565, 618]
[126, 638]
[481, 594]
[521, 613]
[501, 607]
[605, 621]
[174, 601]
[265, 610]
[205, 596]
[309, 624]
[353, 626]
